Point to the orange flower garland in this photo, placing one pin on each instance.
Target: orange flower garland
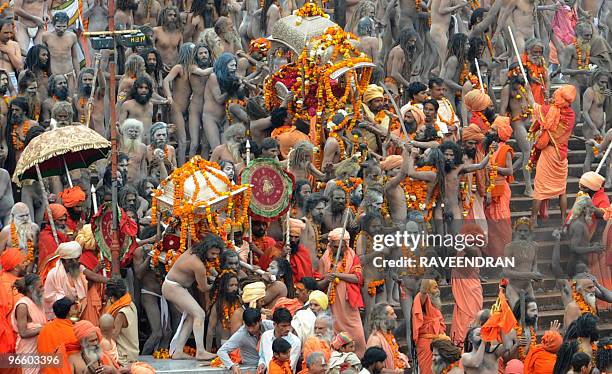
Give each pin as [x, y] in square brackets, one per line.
[587, 59]
[228, 311]
[584, 307]
[373, 285]
[340, 269]
[598, 139]
[15, 244]
[483, 118]
[397, 361]
[188, 209]
[310, 10]
[450, 367]
[18, 144]
[532, 342]
[466, 197]
[450, 121]
[537, 72]
[492, 177]
[475, 82]
[416, 191]
[462, 78]
[162, 354]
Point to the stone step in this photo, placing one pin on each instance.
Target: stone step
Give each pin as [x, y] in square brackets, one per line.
[547, 300]
[573, 157]
[187, 366]
[518, 186]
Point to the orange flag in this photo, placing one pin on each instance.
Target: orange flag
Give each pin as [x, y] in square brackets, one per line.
[502, 320]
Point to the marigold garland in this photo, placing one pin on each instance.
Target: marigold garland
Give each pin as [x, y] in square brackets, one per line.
[492, 177]
[228, 311]
[582, 304]
[397, 361]
[467, 194]
[476, 82]
[519, 334]
[598, 139]
[373, 285]
[15, 244]
[310, 9]
[416, 194]
[340, 269]
[484, 118]
[587, 59]
[448, 122]
[536, 72]
[349, 186]
[450, 367]
[18, 144]
[162, 354]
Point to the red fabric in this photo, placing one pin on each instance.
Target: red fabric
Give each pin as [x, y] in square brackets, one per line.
[57, 336]
[600, 199]
[567, 117]
[501, 321]
[475, 119]
[47, 245]
[89, 260]
[8, 298]
[353, 290]
[270, 249]
[301, 264]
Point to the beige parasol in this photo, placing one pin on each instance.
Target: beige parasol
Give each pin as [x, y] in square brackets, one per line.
[59, 150]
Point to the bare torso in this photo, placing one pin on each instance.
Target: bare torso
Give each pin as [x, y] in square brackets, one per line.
[167, 43]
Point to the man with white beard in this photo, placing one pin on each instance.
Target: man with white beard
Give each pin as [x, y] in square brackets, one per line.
[322, 338]
[21, 232]
[161, 157]
[383, 321]
[230, 151]
[132, 145]
[584, 297]
[91, 357]
[427, 322]
[28, 316]
[66, 279]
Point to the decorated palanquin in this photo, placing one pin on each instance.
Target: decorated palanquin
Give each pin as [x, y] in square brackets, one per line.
[196, 199]
[328, 75]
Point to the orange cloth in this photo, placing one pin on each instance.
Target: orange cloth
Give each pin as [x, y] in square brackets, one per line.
[467, 294]
[551, 175]
[473, 132]
[288, 139]
[10, 258]
[563, 97]
[314, 344]
[57, 335]
[71, 197]
[502, 320]
[541, 358]
[38, 319]
[47, 245]
[345, 307]
[498, 211]
[57, 212]
[292, 305]
[123, 301]
[502, 125]
[8, 297]
[377, 339]
[417, 113]
[301, 263]
[391, 162]
[477, 101]
[93, 309]
[427, 321]
[83, 329]
[141, 368]
[279, 367]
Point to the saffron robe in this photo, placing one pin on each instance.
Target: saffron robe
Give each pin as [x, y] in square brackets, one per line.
[58, 337]
[427, 323]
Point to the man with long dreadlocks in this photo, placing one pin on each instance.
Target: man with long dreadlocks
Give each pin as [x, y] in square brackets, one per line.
[124, 14]
[58, 91]
[594, 105]
[401, 60]
[203, 63]
[222, 85]
[38, 61]
[178, 96]
[140, 106]
[224, 301]
[268, 16]
[455, 67]
[89, 100]
[368, 42]
[300, 162]
[168, 36]
[17, 125]
[202, 16]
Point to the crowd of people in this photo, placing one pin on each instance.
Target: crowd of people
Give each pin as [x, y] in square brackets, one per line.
[452, 101]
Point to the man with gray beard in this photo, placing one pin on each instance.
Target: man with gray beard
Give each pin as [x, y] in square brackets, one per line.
[91, 357]
[230, 151]
[480, 357]
[161, 156]
[132, 145]
[427, 322]
[66, 278]
[584, 294]
[28, 316]
[382, 323]
[322, 338]
[446, 357]
[20, 226]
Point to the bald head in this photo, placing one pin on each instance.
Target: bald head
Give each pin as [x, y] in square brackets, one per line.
[107, 323]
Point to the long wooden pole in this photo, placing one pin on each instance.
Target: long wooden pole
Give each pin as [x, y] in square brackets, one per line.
[113, 126]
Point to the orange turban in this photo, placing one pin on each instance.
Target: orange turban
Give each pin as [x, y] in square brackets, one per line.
[72, 196]
[57, 212]
[417, 113]
[477, 101]
[563, 97]
[373, 92]
[10, 258]
[551, 341]
[514, 367]
[292, 305]
[391, 162]
[296, 226]
[592, 180]
[84, 328]
[502, 125]
[473, 132]
[336, 234]
[141, 368]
